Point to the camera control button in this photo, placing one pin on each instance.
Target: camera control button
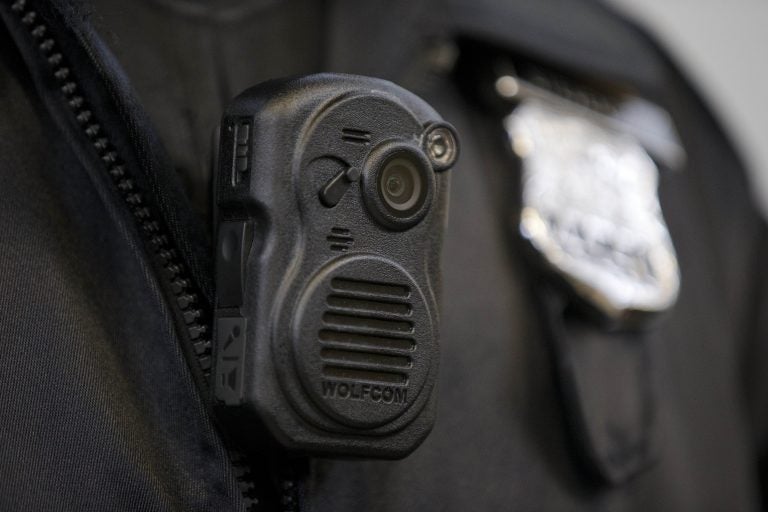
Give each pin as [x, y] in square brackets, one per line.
[229, 366]
[337, 186]
[233, 250]
[353, 174]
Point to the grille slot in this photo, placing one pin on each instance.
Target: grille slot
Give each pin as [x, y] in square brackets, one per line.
[366, 340]
[368, 305]
[367, 332]
[367, 358]
[368, 323]
[386, 290]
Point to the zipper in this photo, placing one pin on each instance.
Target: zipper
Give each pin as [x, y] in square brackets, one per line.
[186, 299]
[189, 301]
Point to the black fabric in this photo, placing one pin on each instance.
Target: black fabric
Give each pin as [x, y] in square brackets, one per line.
[604, 380]
[99, 410]
[500, 441]
[188, 59]
[123, 121]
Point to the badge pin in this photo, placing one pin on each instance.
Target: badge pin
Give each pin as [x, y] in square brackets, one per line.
[590, 208]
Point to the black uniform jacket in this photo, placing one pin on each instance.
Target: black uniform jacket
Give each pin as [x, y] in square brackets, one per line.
[108, 107]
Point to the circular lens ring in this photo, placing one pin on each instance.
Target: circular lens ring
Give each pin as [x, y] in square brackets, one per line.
[402, 175]
[406, 162]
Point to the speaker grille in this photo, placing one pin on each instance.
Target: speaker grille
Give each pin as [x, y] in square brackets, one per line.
[368, 333]
[363, 341]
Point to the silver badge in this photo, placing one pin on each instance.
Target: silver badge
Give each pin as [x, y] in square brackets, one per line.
[591, 209]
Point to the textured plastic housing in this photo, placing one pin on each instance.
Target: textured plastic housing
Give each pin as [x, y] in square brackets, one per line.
[327, 312]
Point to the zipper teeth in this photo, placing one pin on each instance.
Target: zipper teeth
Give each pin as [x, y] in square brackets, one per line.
[189, 300]
[154, 232]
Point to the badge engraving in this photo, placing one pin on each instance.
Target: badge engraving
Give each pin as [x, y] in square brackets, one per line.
[590, 208]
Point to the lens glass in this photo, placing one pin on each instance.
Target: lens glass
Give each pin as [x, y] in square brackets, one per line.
[401, 185]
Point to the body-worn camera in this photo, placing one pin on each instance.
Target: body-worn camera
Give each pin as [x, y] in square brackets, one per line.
[331, 199]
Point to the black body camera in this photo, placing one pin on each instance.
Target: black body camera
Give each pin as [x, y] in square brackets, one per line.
[331, 198]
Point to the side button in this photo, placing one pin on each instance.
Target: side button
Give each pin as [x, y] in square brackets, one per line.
[233, 247]
[230, 333]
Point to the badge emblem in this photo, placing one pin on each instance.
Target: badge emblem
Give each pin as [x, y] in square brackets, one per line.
[590, 208]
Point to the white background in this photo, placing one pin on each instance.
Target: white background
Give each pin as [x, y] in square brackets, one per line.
[722, 45]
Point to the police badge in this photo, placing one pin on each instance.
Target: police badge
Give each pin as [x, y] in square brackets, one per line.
[590, 208]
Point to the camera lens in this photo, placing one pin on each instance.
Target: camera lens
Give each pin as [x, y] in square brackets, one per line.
[398, 184]
[401, 185]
